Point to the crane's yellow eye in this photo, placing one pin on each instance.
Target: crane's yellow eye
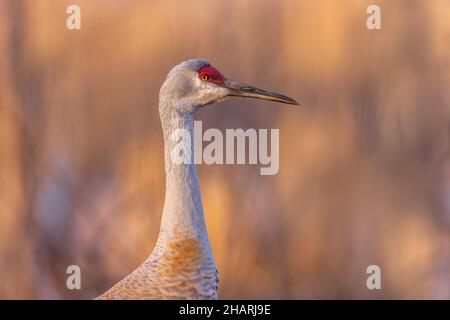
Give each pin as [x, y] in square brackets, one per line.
[204, 77]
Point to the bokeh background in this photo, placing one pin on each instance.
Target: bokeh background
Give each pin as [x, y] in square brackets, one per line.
[364, 163]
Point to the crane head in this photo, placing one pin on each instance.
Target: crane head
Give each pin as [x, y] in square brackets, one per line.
[195, 83]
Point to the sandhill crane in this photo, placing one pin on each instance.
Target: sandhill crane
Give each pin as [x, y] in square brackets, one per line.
[182, 264]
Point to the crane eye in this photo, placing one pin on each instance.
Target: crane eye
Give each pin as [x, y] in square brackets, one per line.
[204, 77]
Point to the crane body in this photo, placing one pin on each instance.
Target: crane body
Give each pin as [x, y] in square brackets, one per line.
[182, 265]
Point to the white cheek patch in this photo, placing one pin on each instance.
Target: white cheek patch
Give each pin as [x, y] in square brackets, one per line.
[207, 92]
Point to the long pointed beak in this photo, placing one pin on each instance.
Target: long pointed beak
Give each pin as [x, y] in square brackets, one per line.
[237, 89]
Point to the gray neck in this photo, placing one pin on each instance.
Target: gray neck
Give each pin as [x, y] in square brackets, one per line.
[183, 210]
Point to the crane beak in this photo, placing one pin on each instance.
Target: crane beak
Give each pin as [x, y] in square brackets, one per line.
[237, 89]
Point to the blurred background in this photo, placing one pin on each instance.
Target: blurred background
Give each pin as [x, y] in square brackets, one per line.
[364, 164]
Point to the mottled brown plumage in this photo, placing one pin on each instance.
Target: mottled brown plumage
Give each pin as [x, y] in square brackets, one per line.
[177, 270]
